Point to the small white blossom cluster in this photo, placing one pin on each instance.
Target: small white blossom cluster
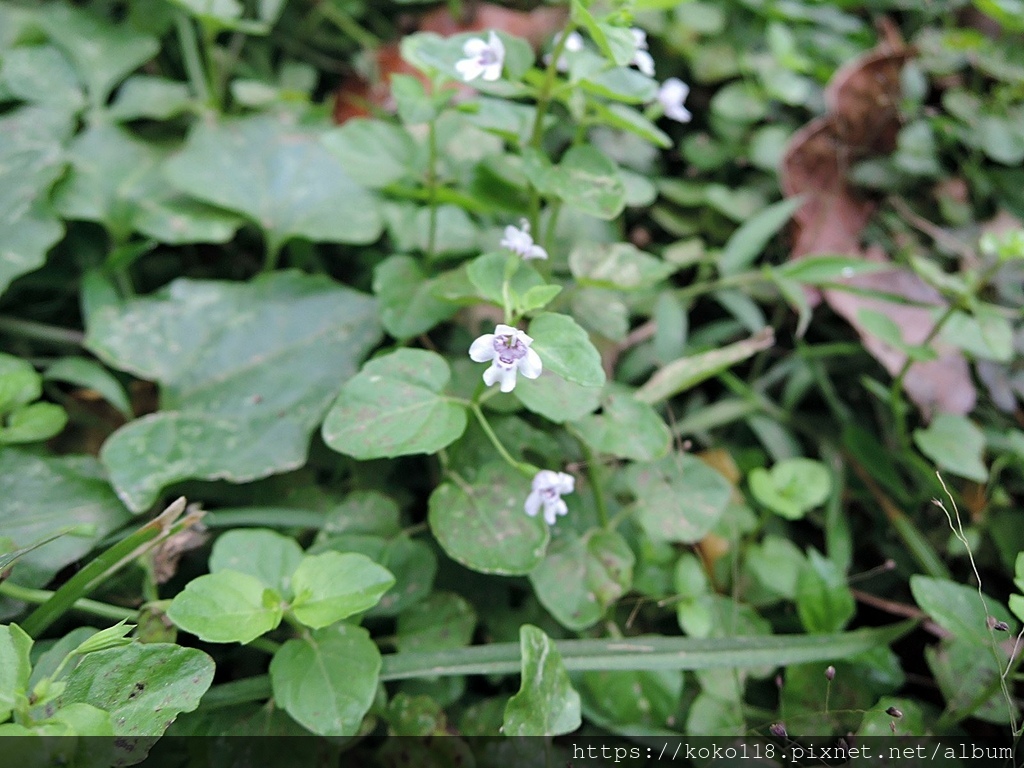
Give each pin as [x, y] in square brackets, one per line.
[671, 95]
[642, 59]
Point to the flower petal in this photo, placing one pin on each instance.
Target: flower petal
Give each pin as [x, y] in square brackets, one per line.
[504, 330]
[532, 505]
[482, 349]
[492, 375]
[530, 365]
[469, 69]
[508, 379]
[474, 47]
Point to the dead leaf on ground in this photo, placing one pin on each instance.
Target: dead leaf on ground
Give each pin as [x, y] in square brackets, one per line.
[359, 96]
[863, 121]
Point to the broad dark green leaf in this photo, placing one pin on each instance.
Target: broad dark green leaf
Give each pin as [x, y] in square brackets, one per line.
[679, 498]
[394, 407]
[823, 599]
[280, 176]
[87, 373]
[144, 686]
[618, 265]
[547, 704]
[955, 444]
[247, 372]
[581, 576]
[373, 153]
[485, 526]
[15, 667]
[408, 304]
[32, 159]
[627, 428]
[327, 681]
[443, 620]
[565, 349]
[101, 52]
[556, 399]
[44, 494]
[958, 608]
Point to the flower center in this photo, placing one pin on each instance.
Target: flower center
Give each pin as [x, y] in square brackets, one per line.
[509, 349]
[487, 57]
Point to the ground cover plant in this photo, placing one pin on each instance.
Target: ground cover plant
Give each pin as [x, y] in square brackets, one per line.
[631, 369]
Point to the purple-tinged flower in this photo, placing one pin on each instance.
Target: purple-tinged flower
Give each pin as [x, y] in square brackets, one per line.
[671, 95]
[519, 241]
[548, 489]
[483, 59]
[509, 351]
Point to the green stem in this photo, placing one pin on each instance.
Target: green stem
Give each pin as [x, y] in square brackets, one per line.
[193, 60]
[526, 469]
[84, 605]
[213, 73]
[595, 475]
[242, 691]
[29, 329]
[348, 25]
[264, 644]
[106, 564]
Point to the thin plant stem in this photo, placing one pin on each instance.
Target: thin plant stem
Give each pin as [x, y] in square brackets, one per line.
[84, 605]
[432, 186]
[28, 329]
[348, 25]
[193, 60]
[526, 469]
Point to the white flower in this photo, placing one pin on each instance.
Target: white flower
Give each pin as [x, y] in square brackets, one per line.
[573, 44]
[509, 351]
[518, 241]
[671, 95]
[484, 59]
[642, 59]
[548, 489]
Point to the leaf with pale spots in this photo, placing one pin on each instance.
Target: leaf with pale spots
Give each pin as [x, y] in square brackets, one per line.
[247, 373]
[484, 526]
[547, 704]
[280, 176]
[395, 407]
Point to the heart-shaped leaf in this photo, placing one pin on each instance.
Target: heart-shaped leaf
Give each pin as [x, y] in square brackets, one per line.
[679, 498]
[280, 176]
[332, 586]
[547, 704]
[226, 607]
[394, 407]
[248, 371]
[565, 348]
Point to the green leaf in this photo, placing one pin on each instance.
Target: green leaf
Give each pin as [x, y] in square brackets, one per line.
[622, 84]
[986, 334]
[556, 399]
[589, 181]
[816, 270]
[111, 637]
[248, 371]
[327, 681]
[793, 487]
[333, 586]
[89, 374]
[627, 428]
[101, 52]
[547, 704]
[443, 620]
[955, 444]
[394, 407]
[280, 176]
[485, 526]
[144, 686]
[32, 158]
[19, 383]
[226, 607]
[617, 265]
[629, 119]
[645, 698]
[777, 563]
[686, 372]
[964, 674]
[747, 242]
[616, 43]
[43, 494]
[373, 153]
[679, 498]
[148, 96]
[41, 74]
[823, 600]
[651, 652]
[261, 553]
[408, 304]
[32, 423]
[580, 577]
[958, 608]
[565, 349]
[15, 668]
